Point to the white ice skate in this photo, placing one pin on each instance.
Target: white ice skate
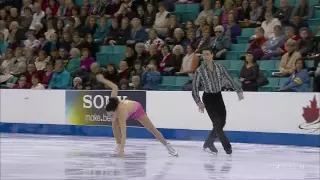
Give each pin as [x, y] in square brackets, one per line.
[171, 150]
[115, 151]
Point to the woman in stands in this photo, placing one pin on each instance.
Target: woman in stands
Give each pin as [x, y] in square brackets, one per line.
[120, 111]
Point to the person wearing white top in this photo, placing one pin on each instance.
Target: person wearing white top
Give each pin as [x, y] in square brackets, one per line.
[50, 30]
[161, 22]
[4, 30]
[36, 82]
[31, 42]
[38, 15]
[269, 24]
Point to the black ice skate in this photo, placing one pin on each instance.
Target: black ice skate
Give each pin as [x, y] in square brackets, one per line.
[211, 147]
[229, 151]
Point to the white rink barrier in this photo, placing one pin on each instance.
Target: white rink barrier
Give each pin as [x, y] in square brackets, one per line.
[268, 118]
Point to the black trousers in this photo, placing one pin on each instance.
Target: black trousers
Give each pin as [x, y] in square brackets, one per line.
[216, 109]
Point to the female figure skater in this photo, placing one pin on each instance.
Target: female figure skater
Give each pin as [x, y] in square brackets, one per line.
[120, 111]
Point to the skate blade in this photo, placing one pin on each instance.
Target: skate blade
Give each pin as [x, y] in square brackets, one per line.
[208, 151]
[176, 155]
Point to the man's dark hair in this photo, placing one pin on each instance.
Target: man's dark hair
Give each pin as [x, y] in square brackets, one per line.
[112, 104]
[208, 49]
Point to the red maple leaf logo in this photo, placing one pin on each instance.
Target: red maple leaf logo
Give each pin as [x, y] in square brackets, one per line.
[311, 113]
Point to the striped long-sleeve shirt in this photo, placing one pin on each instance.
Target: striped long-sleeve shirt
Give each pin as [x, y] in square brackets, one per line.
[211, 81]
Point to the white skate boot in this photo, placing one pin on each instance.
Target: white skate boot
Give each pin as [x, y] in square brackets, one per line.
[115, 151]
[171, 150]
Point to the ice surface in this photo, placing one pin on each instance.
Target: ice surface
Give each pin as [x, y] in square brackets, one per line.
[40, 157]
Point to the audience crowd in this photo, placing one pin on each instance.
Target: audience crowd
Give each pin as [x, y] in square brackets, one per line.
[50, 44]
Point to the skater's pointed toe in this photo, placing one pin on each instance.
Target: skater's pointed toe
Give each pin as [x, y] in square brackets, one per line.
[229, 151]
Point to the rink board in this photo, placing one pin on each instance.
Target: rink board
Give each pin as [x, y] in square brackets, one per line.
[174, 134]
[264, 118]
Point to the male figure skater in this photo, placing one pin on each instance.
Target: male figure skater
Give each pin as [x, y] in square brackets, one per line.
[211, 77]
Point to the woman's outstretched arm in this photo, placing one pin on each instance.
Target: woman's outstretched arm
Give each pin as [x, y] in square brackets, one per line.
[108, 83]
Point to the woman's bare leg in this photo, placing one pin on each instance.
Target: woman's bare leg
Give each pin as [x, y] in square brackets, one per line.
[145, 121]
[116, 131]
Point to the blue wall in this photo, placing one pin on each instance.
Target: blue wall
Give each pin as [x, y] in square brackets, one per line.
[176, 134]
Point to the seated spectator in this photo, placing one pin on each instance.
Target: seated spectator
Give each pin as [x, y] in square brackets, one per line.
[47, 75]
[173, 25]
[178, 38]
[47, 17]
[32, 42]
[50, 30]
[299, 80]
[256, 45]
[123, 84]
[17, 61]
[130, 56]
[161, 22]
[76, 82]
[26, 4]
[190, 62]
[26, 19]
[75, 60]
[220, 44]
[66, 41]
[22, 83]
[269, 24]
[16, 31]
[111, 73]
[268, 8]
[255, 13]
[37, 16]
[174, 65]
[52, 44]
[31, 70]
[289, 34]
[232, 30]
[39, 33]
[206, 12]
[215, 23]
[228, 9]
[217, 10]
[297, 24]
[14, 15]
[244, 14]
[4, 30]
[154, 39]
[138, 33]
[86, 61]
[141, 53]
[60, 78]
[41, 61]
[153, 55]
[140, 14]
[6, 65]
[249, 74]
[137, 69]
[303, 10]
[288, 61]
[151, 78]
[113, 30]
[123, 34]
[205, 41]
[90, 27]
[91, 45]
[12, 42]
[164, 59]
[36, 82]
[191, 37]
[101, 31]
[124, 71]
[135, 83]
[3, 45]
[272, 48]
[149, 16]
[77, 42]
[60, 30]
[284, 12]
[305, 43]
[29, 55]
[64, 56]
[202, 24]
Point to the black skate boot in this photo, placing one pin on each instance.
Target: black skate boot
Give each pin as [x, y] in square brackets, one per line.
[211, 147]
[228, 151]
